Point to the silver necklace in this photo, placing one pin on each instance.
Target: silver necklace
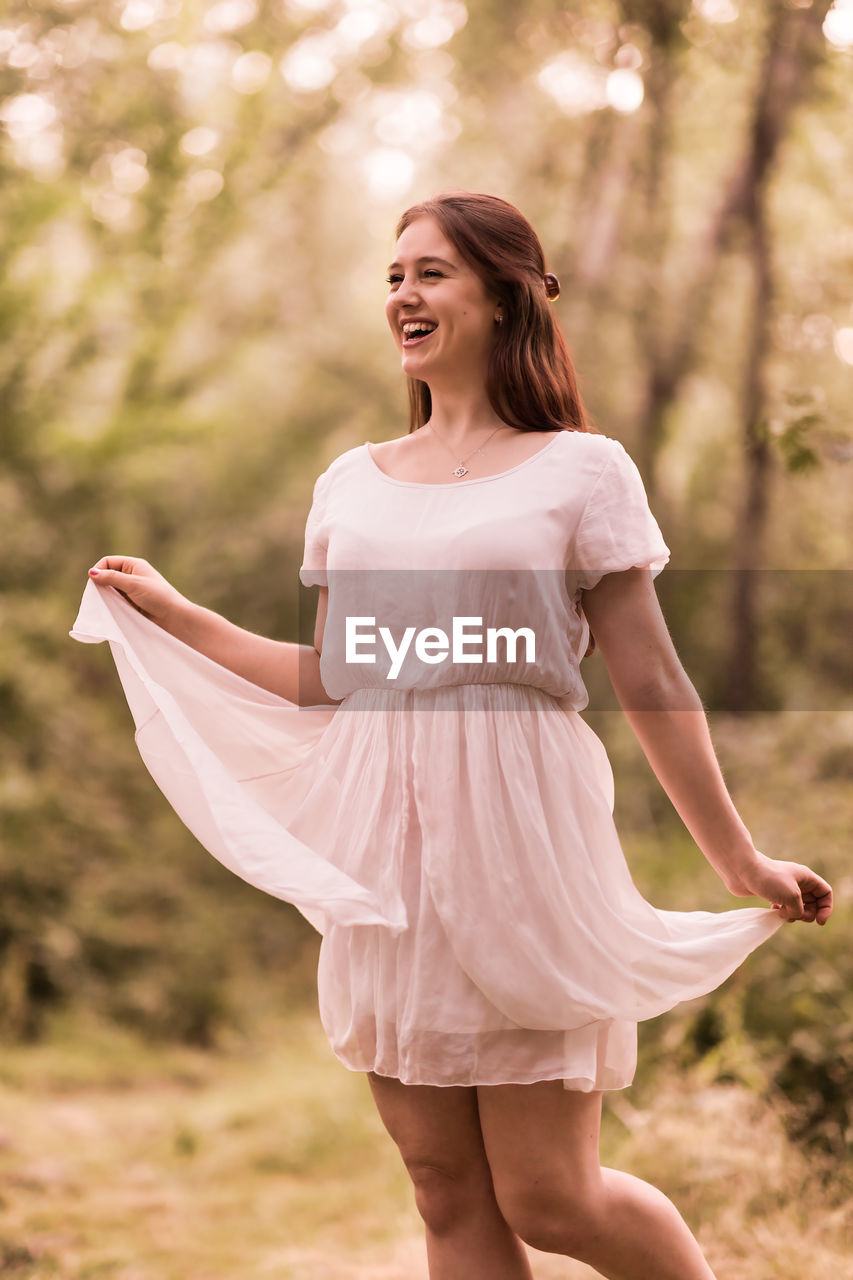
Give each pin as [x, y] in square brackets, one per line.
[461, 469]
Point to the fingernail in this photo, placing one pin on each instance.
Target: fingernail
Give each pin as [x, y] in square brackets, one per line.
[93, 573]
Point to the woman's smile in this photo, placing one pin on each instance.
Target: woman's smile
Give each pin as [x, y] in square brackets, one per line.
[416, 335]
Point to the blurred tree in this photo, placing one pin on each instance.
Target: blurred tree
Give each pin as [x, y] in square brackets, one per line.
[795, 46]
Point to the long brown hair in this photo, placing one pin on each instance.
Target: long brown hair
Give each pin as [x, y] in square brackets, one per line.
[530, 381]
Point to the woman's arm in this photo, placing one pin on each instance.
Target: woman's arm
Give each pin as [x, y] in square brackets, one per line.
[290, 670]
[666, 714]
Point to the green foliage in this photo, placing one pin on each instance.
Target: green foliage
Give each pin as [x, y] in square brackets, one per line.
[794, 442]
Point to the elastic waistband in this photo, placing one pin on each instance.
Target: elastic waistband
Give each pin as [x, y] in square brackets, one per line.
[469, 693]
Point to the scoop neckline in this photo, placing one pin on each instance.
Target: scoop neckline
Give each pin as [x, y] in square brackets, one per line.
[457, 484]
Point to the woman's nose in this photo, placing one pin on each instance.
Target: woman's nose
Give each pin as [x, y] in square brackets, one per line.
[406, 290]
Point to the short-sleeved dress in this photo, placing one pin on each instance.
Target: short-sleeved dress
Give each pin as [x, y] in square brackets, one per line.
[448, 826]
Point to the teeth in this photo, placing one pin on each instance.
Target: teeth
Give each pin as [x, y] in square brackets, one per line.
[411, 329]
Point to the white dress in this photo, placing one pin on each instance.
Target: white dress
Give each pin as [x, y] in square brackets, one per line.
[447, 827]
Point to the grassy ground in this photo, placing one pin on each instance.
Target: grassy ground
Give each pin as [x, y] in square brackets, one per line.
[124, 1162]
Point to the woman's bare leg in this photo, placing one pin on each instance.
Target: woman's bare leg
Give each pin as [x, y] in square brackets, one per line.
[438, 1133]
[541, 1141]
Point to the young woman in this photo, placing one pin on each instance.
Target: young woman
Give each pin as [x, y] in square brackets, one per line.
[486, 956]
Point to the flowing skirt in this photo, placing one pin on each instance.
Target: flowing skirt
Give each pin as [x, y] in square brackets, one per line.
[456, 848]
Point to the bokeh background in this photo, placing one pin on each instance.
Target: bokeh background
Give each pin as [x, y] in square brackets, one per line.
[197, 204]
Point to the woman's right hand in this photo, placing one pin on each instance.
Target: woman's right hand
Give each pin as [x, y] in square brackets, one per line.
[140, 584]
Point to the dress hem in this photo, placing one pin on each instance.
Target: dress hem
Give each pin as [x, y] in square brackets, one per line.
[576, 1084]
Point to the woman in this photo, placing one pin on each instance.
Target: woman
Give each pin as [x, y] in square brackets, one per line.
[486, 956]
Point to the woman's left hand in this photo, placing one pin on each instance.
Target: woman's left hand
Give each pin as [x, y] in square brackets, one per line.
[795, 891]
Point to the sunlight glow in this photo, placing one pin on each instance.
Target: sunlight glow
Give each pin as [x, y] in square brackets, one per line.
[197, 142]
[575, 85]
[838, 25]
[42, 153]
[110, 207]
[429, 33]
[320, 54]
[23, 55]
[624, 89]
[351, 86]
[44, 64]
[310, 64]
[251, 71]
[204, 184]
[205, 66]
[389, 172]
[362, 23]
[306, 6]
[843, 343]
[26, 114]
[35, 131]
[628, 55]
[435, 22]
[343, 138]
[230, 15]
[76, 46]
[167, 56]
[716, 10]
[128, 170]
[139, 14]
[410, 119]
[817, 331]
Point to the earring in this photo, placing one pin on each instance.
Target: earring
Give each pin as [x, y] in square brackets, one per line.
[499, 319]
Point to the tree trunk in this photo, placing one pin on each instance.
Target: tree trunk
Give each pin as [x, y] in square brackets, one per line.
[794, 47]
[793, 51]
[742, 686]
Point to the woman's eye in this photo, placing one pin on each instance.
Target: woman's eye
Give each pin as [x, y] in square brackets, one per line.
[429, 272]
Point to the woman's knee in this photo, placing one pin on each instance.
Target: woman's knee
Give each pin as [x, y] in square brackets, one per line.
[437, 1132]
[553, 1219]
[447, 1195]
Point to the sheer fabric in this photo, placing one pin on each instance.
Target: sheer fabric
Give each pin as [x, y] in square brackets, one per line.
[450, 835]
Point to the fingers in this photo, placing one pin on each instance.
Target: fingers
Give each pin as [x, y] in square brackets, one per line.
[131, 585]
[112, 578]
[818, 901]
[814, 885]
[124, 564]
[116, 571]
[105, 577]
[792, 908]
[813, 903]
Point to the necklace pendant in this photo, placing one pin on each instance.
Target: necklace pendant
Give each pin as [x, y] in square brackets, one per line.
[460, 470]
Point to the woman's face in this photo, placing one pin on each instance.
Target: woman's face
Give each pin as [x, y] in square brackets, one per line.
[430, 281]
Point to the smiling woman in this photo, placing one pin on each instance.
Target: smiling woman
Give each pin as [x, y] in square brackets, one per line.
[469, 255]
[486, 956]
